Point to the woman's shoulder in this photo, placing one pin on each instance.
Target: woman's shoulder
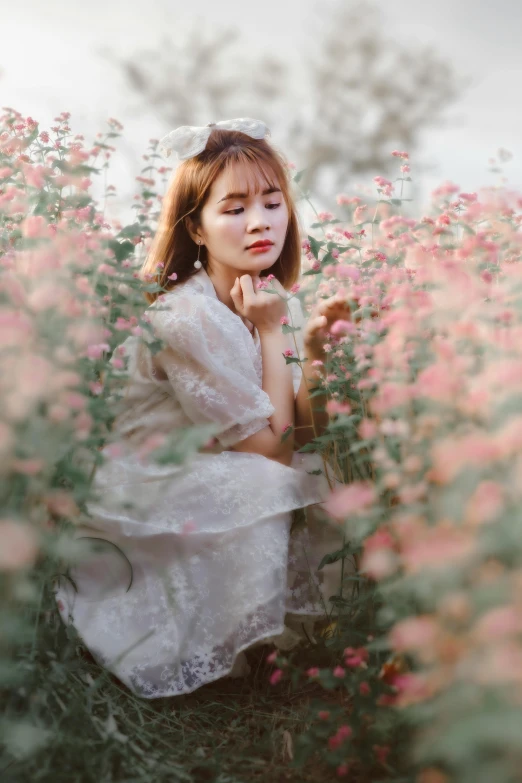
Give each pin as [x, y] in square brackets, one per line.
[186, 312]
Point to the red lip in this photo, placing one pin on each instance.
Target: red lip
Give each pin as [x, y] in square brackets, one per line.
[261, 243]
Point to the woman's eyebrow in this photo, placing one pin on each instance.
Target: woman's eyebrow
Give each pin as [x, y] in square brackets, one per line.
[245, 195]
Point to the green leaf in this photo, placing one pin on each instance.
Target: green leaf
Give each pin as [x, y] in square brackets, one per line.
[315, 246]
[121, 250]
[333, 557]
[327, 259]
[130, 232]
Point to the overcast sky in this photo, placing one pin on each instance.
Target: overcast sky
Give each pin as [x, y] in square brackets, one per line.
[51, 61]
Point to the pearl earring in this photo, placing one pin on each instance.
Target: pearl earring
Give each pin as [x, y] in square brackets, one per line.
[198, 263]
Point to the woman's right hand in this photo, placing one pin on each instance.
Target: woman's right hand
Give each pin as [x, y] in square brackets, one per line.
[264, 310]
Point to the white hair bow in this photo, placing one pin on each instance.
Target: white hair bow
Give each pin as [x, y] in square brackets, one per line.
[190, 140]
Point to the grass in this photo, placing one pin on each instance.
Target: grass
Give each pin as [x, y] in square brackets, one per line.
[93, 730]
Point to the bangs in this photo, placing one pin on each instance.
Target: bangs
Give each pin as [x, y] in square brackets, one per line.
[250, 176]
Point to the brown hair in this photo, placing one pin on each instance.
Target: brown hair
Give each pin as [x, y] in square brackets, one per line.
[173, 246]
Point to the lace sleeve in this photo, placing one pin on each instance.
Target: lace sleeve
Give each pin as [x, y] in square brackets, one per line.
[212, 365]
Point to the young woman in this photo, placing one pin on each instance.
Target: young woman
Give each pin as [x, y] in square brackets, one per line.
[215, 565]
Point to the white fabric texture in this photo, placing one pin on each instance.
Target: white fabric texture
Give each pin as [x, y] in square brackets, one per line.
[214, 563]
[190, 140]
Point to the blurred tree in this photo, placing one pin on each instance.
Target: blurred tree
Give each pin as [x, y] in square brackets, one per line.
[367, 95]
[354, 97]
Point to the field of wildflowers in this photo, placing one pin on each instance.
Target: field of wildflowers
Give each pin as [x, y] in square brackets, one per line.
[417, 675]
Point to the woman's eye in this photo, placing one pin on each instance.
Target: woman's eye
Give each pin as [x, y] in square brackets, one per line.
[239, 209]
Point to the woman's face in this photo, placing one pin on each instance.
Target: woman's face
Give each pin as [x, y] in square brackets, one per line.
[230, 224]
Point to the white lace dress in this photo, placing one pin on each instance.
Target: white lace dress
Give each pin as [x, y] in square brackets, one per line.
[194, 562]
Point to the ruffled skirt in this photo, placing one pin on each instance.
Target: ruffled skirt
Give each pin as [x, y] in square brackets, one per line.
[186, 566]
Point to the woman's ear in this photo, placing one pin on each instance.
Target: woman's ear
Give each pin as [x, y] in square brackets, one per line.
[191, 229]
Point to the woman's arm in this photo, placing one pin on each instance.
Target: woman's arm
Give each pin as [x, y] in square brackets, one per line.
[278, 384]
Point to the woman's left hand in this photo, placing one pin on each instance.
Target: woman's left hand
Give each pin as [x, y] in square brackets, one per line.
[324, 313]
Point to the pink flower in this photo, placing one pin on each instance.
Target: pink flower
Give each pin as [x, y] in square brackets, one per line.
[18, 545]
[276, 676]
[28, 467]
[313, 672]
[323, 714]
[317, 363]
[485, 503]
[341, 327]
[364, 689]
[368, 429]
[295, 288]
[334, 742]
[355, 656]
[413, 634]
[344, 732]
[288, 352]
[359, 215]
[334, 407]
[437, 547]
[355, 498]
[379, 563]
[381, 539]
[284, 321]
[272, 657]
[34, 226]
[75, 400]
[342, 770]
[498, 622]
[173, 276]
[106, 269]
[344, 271]
[96, 351]
[339, 672]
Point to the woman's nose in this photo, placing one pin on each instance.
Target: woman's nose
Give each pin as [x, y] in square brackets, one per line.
[259, 217]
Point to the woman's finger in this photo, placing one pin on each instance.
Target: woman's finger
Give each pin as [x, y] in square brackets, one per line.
[317, 323]
[247, 287]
